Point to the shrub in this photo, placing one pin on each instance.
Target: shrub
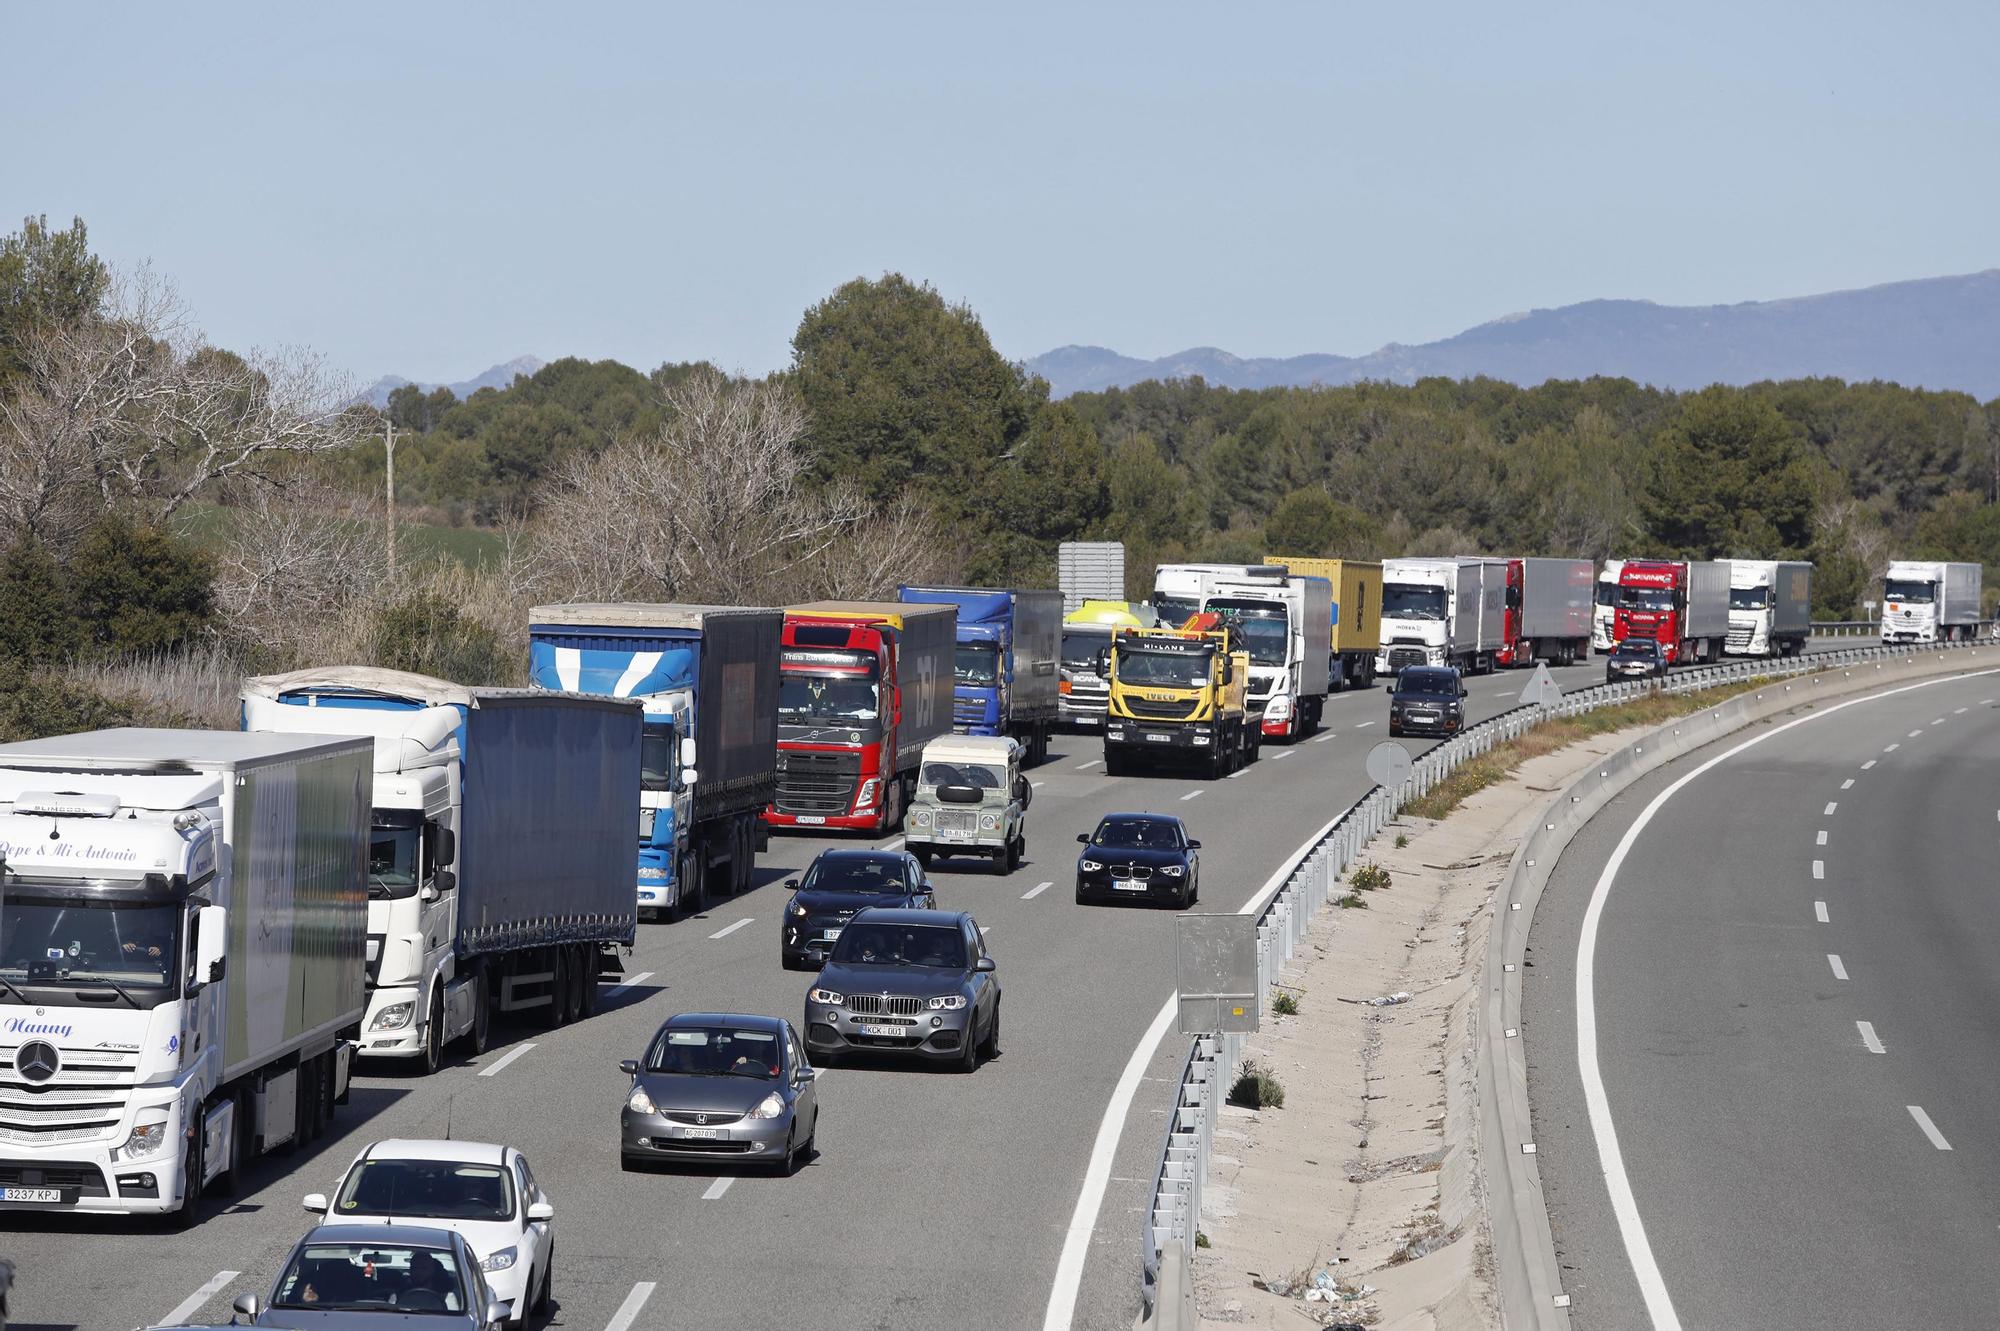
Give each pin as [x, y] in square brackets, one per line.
[426, 633]
[1369, 877]
[138, 589]
[1256, 1088]
[38, 625]
[37, 703]
[1402, 840]
[1285, 1003]
[1352, 901]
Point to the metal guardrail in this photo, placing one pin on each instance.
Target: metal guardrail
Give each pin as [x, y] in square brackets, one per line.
[1174, 1214]
[1872, 628]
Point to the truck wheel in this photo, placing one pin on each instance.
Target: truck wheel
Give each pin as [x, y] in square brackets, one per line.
[557, 1013]
[482, 1014]
[239, 1147]
[191, 1171]
[434, 1034]
[591, 988]
[691, 896]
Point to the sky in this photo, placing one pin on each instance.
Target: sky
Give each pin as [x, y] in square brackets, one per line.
[430, 189]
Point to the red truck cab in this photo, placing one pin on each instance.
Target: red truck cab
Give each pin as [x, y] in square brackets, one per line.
[1516, 650]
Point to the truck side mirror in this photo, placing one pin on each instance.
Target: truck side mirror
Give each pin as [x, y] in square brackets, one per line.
[444, 880]
[211, 946]
[1104, 663]
[687, 751]
[689, 776]
[447, 846]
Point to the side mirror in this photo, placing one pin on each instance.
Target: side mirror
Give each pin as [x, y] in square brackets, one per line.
[1464, 692]
[447, 846]
[629, 1066]
[444, 880]
[687, 751]
[1194, 845]
[986, 964]
[496, 1313]
[315, 1203]
[541, 1211]
[807, 1074]
[688, 777]
[249, 1305]
[792, 883]
[1104, 663]
[1083, 838]
[211, 943]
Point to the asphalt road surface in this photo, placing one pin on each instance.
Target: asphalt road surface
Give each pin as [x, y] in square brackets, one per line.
[935, 1200]
[1797, 1028]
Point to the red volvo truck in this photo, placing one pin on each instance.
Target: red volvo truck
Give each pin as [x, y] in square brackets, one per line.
[1682, 603]
[862, 687]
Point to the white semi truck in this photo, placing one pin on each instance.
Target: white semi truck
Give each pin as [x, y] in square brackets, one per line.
[1604, 614]
[1443, 612]
[1180, 590]
[1927, 601]
[1286, 625]
[1770, 607]
[182, 953]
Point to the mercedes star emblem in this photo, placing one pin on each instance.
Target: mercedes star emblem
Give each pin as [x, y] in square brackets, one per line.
[36, 1060]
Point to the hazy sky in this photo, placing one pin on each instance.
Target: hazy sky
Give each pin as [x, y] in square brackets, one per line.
[427, 189]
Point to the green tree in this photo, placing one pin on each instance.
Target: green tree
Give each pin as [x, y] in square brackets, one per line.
[48, 278]
[1313, 522]
[139, 589]
[1733, 478]
[38, 624]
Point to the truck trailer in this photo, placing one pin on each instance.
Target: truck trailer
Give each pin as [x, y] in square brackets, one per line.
[183, 950]
[1682, 603]
[1770, 607]
[1927, 601]
[1005, 677]
[1286, 627]
[862, 687]
[500, 860]
[1443, 612]
[1356, 614]
[1090, 571]
[707, 678]
[1548, 612]
[1180, 590]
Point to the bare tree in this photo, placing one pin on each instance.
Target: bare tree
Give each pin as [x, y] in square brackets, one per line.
[299, 557]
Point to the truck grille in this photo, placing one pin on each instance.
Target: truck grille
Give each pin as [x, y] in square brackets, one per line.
[1157, 711]
[967, 710]
[1739, 639]
[956, 820]
[83, 1100]
[817, 782]
[1405, 656]
[877, 1004]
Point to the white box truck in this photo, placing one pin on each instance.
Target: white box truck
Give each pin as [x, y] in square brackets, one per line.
[1770, 607]
[182, 959]
[1286, 624]
[1443, 612]
[1927, 601]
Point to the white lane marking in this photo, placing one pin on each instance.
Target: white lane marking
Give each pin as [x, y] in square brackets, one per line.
[1839, 971]
[1038, 784]
[628, 1311]
[985, 929]
[1913, 734]
[1631, 1227]
[1985, 702]
[1847, 784]
[1831, 806]
[628, 982]
[1094, 762]
[717, 1188]
[1819, 868]
[506, 1058]
[1930, 1128]
[1892, 748]
[1364, 725]
[192, 1304]
[1870, 763]
[1280, 757]
[1937, 721]
[1819, 912]
[1192, 795]
[1321, 739]
[1241, 771]
[1869, 1038]
[1036, 891]
[1822, 836]
[1961, 711]
[893, 843]
[729, 929]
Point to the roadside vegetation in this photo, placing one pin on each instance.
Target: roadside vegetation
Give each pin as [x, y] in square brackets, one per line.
[1502, 760]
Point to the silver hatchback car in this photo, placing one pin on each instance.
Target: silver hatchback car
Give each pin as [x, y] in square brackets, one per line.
[719, 1087]
[375, 1277]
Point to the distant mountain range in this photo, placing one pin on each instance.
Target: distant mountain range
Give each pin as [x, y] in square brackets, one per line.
[1941, 332]
[500, 376]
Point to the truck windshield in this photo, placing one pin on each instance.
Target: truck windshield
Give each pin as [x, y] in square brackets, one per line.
[1409, 600]
[977, 663]
[395, 853]
[1607, 593]
[1914, 593]
[1079, 649]
[1260, 625]
[813, 706]
[1749, 598]
[1174, 670]
[1646, 598]
[91, 945]
[1175, 611]
[659, 756]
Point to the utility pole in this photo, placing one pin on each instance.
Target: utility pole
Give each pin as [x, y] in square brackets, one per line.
[389, 438]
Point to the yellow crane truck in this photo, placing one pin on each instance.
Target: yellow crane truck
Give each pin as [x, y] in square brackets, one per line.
[1178, 695]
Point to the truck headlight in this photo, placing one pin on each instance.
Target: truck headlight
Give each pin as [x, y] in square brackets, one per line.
[145, 1139]
[770, 1106]
[652, 873]
[948, 1003]
[640, 1102]
[394, 1017]
[503, 1260]
[868, 791]
[1279, 707]
[827, 997]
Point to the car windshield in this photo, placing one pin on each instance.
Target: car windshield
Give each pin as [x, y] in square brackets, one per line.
[855, 873]
[877, 944]
[977, 775]
[1168, 669]
[809, 704]
[1137, 834]
[1409, 600]
[429, 1189]
[373, 1277]
[716, 1051]
[1912, 593]
[1646, 647]
[659, 756]
[1260, 626]
[1080, 649]
[976, 663]
[395, 848]
[104, 944]
[1174, 611]
[1646, 598]
[1437, 682]
[1749, 598]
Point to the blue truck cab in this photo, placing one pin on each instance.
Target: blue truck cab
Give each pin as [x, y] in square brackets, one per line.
[1005, 673]
[707, 679]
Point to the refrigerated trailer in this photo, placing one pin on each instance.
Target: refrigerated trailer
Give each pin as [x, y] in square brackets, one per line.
[183, 945]
[1548, 612]
[1926, 601]
[1443, 612]
[1286, 628]
[1770, 607]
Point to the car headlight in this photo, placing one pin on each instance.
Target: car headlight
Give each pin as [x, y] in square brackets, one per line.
[394, 1017]
[828, 997]
[770, 1106]
[798, 910]
[146, 1139]
[502, 1260]
[988, 821]
[1089, 866]
[947, 1002]
[921, 818]
[640, 1102]
[1172, 870]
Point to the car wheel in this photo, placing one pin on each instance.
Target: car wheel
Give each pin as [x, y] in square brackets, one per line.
[1194, 888]
[544, 1293]
[991, 1049]
[968, 1052]
[1015, 850]
[788, 1163]
[1081, 900]
[810, 1152]
[1395, 731]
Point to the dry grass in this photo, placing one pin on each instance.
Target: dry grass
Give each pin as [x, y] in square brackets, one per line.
[1496, 764]
[194, 688]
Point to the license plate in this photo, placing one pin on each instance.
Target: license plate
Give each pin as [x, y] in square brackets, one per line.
[1126, 885]
[893, 1032]
[30, 1194]
[953, 834]
[703, 1134]
[813, 818]
[829, 935]
[1159, 739]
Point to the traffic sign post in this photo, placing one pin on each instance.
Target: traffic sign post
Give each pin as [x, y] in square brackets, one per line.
[1389, 764]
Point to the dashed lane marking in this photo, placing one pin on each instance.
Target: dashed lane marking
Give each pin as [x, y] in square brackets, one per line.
[1822, 836]
[1831, 805]
[717, 1188]
[1870, 763]
[1819, 868]
[1364, 725]
[628, 982]
[192, 1304]
[1869, 1038]
[1036, 891]
[1094, 762]
[729, 929]
[1847, 784]
[1929, 1128]
[1819, 912]
[1321, 739]
[1913, 734]
[1280, 757]
[1892, 748]
[506, 1058]
[1839, 971]
[628, 1311]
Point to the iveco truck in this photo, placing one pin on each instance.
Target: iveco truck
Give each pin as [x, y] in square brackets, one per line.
[1924, 601]
[1178, 695]
[500, 864]
[183, 935]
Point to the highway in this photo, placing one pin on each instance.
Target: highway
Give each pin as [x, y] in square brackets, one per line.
[1795, 1012]
[935, 1197]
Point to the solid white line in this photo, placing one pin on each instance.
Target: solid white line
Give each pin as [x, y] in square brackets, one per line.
[1930, 1128]
[1831, 806]
[628, 1311]
[628, 982]
[1839, 971]
[1870, 763]
[1364, 725]
[717, 1188]
[1847, 784]
[506, 1058]
[192, 1304]
[1094, 762]
[1822, 837]
[1321, 739]
[1819, 912]
[1036, 891]
[1631, 1228]
[1192, 795]
[1869, 1038]
[729, 929]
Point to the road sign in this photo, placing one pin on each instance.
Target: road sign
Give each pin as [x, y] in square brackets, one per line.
[1542, 688]
[1216, 969]
[1388, 764]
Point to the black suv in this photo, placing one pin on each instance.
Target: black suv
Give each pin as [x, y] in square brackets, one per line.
[839, 885]
[1427, 700]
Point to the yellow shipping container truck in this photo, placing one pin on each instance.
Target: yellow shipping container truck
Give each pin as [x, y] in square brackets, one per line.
[1357, 613]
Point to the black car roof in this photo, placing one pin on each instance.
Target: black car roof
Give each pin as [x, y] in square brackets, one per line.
[746, 1020]
[892, 856]
[906, 915]
[1141, 818]
[1425, 672]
